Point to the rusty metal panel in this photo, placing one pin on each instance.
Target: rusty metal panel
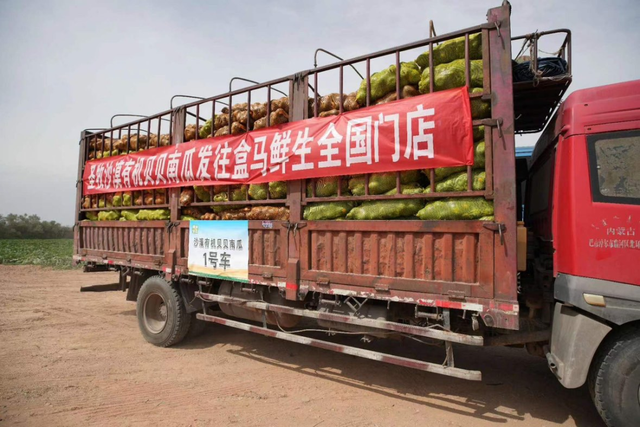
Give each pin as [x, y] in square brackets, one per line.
[503, 148]
[123, 241]
[299, 110]
[268, 250]
[144, 238]
[430, 257]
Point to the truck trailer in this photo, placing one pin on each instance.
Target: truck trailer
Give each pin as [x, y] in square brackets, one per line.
[398, 210]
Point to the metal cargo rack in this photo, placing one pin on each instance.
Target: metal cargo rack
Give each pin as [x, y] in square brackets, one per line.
[535, 101]
[440, 267]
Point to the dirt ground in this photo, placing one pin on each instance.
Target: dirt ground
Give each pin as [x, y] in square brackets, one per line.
[71, 358]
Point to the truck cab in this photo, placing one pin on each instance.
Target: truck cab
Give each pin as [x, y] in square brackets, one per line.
[583, 214]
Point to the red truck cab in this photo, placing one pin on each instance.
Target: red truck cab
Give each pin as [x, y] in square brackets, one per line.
[583, 208]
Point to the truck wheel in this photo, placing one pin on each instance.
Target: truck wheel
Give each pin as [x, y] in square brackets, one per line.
[614, 379]
[162, 317]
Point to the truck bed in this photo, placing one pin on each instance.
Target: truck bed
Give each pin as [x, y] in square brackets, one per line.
[465, 265]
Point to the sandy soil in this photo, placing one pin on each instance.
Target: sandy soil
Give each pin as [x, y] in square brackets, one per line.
[71, 358]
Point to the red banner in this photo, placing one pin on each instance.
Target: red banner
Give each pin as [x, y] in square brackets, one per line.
[427, 131]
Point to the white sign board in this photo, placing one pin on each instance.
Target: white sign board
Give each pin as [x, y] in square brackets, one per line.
[219, 249]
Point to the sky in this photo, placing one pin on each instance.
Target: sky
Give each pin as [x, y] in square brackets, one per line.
[71, 65]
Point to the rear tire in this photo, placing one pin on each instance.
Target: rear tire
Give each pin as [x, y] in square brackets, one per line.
[614, 379]
[162, 316]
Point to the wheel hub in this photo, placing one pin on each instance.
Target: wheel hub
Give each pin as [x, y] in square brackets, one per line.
[155, 313]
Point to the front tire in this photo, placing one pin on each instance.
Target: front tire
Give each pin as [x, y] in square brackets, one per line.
[614, 379]
[162, 316]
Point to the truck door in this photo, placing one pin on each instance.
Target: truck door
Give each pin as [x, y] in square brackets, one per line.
[597, 205]
[614, 175]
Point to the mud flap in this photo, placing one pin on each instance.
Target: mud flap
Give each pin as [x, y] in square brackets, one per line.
[574, 340]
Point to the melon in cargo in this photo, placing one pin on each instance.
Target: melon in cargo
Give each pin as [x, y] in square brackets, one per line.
[205, 130]
[238, 193]
[459, 208]
[276, 190]
[458, 182]
[479, 109]
[108, 215]
[129, 215]
[328, 186]
[384, 82]
[327, 210]
[202, 193]
[452, 50]
[153, 214]
[380, 183]
[386, 209]
[452, 75]
[412, 188]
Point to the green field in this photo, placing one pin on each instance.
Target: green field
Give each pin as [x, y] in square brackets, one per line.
[55, 253]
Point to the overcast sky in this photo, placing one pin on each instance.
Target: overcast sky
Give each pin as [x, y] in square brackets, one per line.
[70, 65]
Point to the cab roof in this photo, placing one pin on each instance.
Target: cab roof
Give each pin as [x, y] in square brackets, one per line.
[585, 110]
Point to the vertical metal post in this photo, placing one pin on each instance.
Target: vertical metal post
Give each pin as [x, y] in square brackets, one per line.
[534, 60]
[298, 110]
[488, 162]
[446, 317]
[341, 90]
[368, 82]
[315, 95]
[213, 118]
[230, 112]
[431, 75]
[128, 139]
[179, 118]
[248, 117]
[486, 65]
[172, 234]
[503, 148]
[268, 105]
[569, 56]
[148, 135]
[79, 188]
[467, 76]
[197, 136]
[398, 88]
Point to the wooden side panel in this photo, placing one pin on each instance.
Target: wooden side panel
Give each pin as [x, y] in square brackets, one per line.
[268, 250]
[122, 240]
[454, 259]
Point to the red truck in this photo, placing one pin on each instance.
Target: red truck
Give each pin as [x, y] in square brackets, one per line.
[554, 277]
